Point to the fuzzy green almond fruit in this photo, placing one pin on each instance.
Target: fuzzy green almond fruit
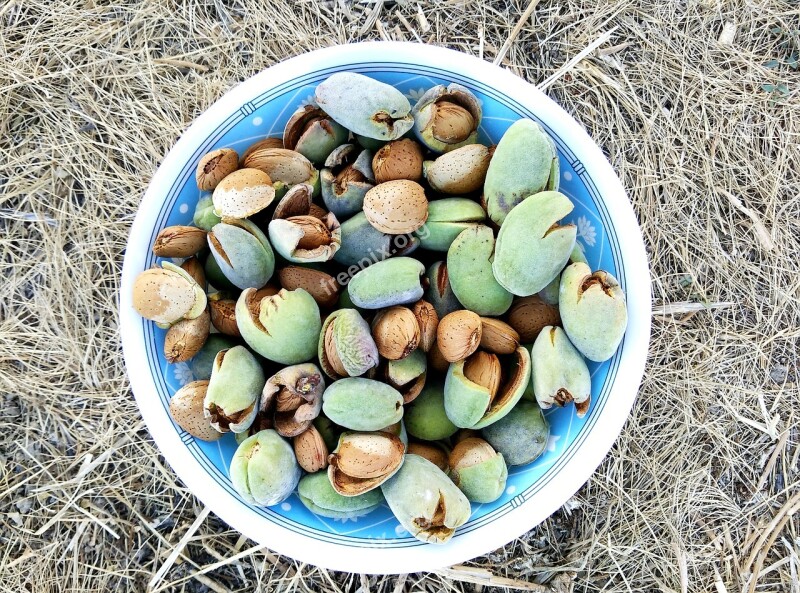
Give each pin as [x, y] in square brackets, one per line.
[408, 374]
[318, 141]
[532, 248]
[242, 253]
[313, 134]
[549, 294]
[346, 347]
[235, 385]
[439, 291]
[405, 370]
[362, 244]
[472, 405]
[372, 144]
[214, 275]
[346, 303]
[425, 500]
[425, 418]
[341, 196]
[328, 430]
[446, 219]
[264, 470]
[593, 311]
[204, 215]
[560, 374]
[319, 497]
[528, 393]
[362, 404]
[577, 254]
[524, 163]
[365, 106]
[202, 362]
[521, 436]
[469, 263]
[284, 327]
[478, 470]
[394, 281]
[346, 179]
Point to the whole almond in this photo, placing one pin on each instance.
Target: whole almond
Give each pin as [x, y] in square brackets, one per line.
[214, 167]
[310, 450]
[396, 332]
[261, 144]
[399, 159]
[498, 336]
[266, 291]
[223, 314]
[281, 164]
[186, 409]
[459, 334]
[368, 454]
[428, 321]
[451, 122]
[179, 241]
[528, 315]
[315, 232]
[396, 207]
[433, 453]
[195, 269]
[459, 171]
[317, 212]
[185, 338]
[323, 287]
[436, 359]
[465, 433]
[483, 368]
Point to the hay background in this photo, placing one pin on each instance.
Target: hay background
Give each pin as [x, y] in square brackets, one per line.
[701, 487]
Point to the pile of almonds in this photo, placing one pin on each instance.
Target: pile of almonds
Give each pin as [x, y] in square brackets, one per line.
[377, 307]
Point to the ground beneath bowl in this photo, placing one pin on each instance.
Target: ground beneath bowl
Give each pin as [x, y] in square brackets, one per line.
[695, 105]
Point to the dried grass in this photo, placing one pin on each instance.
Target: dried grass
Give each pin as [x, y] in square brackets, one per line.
[698, 494]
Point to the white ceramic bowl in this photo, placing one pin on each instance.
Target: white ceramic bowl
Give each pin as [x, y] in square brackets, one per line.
[607, 230]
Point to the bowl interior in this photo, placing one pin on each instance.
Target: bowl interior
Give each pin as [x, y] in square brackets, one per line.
[266, 116]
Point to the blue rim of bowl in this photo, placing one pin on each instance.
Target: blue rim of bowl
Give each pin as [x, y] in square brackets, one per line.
[365, 67]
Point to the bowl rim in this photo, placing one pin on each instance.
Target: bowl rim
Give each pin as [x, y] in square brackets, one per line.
[526, 513]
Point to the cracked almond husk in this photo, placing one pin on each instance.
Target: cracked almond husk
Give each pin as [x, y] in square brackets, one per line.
[294, 395]
[362, 461]
[194, 268]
